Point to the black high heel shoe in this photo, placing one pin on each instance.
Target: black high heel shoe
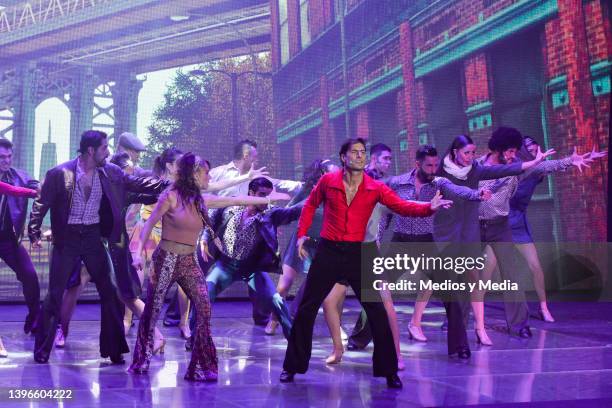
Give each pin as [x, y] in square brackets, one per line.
[482, 337]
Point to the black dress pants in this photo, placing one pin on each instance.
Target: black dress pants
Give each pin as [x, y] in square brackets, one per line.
[333, 262]
[83, 242]
[361, 335]
[18, 259]
[456, 305]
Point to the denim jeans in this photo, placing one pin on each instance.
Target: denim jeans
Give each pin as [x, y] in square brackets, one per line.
[224, 273]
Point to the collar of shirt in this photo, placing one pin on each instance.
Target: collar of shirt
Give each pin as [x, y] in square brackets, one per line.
[373, 172]
[79, 170]
[223, 172]
[238, 211]
[407, 179]
[337, 181]
[7, 177]
[231, 166]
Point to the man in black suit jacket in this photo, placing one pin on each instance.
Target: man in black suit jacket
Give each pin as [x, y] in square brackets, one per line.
[13, 211]
[86, 197]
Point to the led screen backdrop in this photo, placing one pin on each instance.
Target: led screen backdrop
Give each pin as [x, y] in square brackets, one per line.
[282, 73]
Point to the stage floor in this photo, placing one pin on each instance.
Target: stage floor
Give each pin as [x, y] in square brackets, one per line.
[565, 361]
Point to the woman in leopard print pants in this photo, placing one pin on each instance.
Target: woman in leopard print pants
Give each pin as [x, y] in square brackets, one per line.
[182, 210]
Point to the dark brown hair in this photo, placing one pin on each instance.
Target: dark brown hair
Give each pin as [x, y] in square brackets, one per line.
[186, 186]
[169, 155]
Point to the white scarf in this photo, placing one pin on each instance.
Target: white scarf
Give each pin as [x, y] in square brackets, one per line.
[453, 169]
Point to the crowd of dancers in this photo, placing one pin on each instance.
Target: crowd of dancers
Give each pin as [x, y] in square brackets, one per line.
[123, 227]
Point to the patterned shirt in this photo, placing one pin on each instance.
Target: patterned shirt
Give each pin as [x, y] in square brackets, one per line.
[405, 187]
[240, 238]
[503, 189]
[85, 210]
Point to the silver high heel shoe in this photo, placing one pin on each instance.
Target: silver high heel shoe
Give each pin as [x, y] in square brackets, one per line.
[416, 333]
[546, 316]
[483, 338]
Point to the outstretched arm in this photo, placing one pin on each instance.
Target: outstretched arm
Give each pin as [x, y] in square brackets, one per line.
[314, 200]
[222, 202]
[455, 192]
[287, 186]
[283, 216]
[577, 160]
[16, 191]
[214, 186]
[144, 185]
[146, 199]
[405, 208]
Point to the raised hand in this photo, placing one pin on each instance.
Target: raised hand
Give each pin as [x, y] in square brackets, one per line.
[438, 202]
[596, 155]
[485, 194]
[254, 173]
[541, 156]
[580, 160]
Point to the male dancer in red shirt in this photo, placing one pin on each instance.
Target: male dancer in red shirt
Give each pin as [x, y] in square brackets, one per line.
[349, 196]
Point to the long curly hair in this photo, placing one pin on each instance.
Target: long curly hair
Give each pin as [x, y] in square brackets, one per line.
[186, 186]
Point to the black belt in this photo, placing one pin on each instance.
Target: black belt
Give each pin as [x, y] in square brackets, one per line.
[83, 227]
[313, 242]
[346, 244]
[403, 237]
[494, 221]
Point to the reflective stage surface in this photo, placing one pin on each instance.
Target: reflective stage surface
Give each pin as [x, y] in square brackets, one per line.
[567, 360]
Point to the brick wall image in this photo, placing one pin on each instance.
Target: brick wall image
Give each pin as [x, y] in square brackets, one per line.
[424, 72]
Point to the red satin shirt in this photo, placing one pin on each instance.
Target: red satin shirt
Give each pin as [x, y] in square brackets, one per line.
[343, 222]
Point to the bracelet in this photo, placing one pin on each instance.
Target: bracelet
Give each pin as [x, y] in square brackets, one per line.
[269, 202]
